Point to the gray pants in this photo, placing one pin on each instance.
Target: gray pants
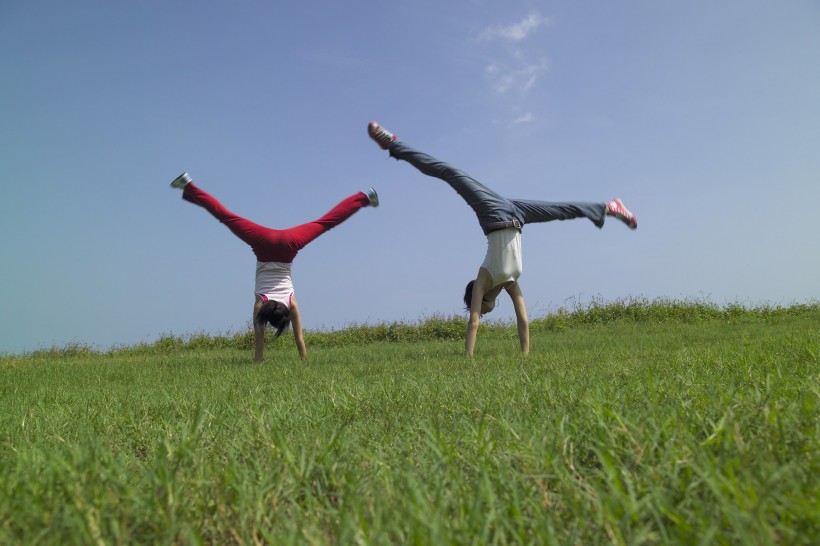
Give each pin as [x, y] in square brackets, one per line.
[493, 211]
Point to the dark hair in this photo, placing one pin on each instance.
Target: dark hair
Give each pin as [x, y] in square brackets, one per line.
[276, 314]
[468, 295]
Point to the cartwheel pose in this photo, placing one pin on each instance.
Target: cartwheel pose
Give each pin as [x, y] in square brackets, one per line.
[275, 250]
[501, 219]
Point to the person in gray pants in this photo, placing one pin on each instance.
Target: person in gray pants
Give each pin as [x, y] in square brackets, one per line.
[501, 219]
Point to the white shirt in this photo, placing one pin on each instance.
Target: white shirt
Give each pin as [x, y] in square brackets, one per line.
[503, 260]
[273, 282]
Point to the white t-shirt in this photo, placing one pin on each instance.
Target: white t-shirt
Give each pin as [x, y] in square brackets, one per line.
[503, 259]
[273, 282]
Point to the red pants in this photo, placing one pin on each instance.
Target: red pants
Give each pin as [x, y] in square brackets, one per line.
[275, 245]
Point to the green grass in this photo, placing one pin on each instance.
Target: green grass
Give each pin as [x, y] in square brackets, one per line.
[629, 423]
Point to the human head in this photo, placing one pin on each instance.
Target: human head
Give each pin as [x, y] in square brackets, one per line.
[486, 306]
[274, 313]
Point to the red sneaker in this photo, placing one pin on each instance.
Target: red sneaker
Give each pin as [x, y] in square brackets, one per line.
[382, 136]
[617, 209]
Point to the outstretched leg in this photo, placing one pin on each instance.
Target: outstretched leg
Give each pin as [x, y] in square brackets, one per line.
[251, 233]
[299, 236]
[544, 211]
[490, 207]
[477, 195]
[274, 245]
[493, 210]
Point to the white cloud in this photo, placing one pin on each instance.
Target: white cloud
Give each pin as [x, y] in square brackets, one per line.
[521, 79]
[517, 31]
[526, 118]
[514, 67]
[529, 117]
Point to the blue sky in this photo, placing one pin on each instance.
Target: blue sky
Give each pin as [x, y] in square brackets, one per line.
[702, 116]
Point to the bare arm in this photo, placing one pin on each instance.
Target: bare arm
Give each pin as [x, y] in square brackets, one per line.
[520, 317]
[258, 334]
[483, 283]
[296, 324]
[472, 331]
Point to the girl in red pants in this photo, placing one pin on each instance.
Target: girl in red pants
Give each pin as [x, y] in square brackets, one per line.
[275, 250]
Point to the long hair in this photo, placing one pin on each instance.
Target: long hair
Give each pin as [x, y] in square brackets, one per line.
[274, 313]
[468, 295]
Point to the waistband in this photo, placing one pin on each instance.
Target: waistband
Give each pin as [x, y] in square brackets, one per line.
[495, 226]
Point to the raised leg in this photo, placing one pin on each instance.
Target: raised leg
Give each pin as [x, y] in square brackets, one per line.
[297, 237]
[489, 206]
[545, 211]
[250, 232]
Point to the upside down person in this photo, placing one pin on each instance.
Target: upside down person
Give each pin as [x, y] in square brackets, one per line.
[275, 250]
[501, 219]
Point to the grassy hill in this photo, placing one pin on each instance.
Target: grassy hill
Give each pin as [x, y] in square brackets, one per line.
[629, 423]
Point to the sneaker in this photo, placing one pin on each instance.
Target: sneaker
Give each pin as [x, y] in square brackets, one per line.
[617, 209]
[382, 136]
[372, 197]
[181, 181]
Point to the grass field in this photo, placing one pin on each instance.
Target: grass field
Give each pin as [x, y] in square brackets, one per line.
[629, 423]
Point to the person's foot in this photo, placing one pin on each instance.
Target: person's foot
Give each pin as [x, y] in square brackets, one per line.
[181, 181]
[372, 197]
[382, 136]
[617, 209]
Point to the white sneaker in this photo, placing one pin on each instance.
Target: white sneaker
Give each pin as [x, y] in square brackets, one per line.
[181, 181]
[372, 197]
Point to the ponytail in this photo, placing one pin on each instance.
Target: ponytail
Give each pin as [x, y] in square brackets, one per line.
[274, 313]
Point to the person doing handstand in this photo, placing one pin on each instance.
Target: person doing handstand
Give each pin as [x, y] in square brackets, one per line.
[502, 220]
[275, 250]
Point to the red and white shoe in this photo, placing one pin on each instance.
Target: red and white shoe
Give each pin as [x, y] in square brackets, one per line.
[617, 209]
[382, 136]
